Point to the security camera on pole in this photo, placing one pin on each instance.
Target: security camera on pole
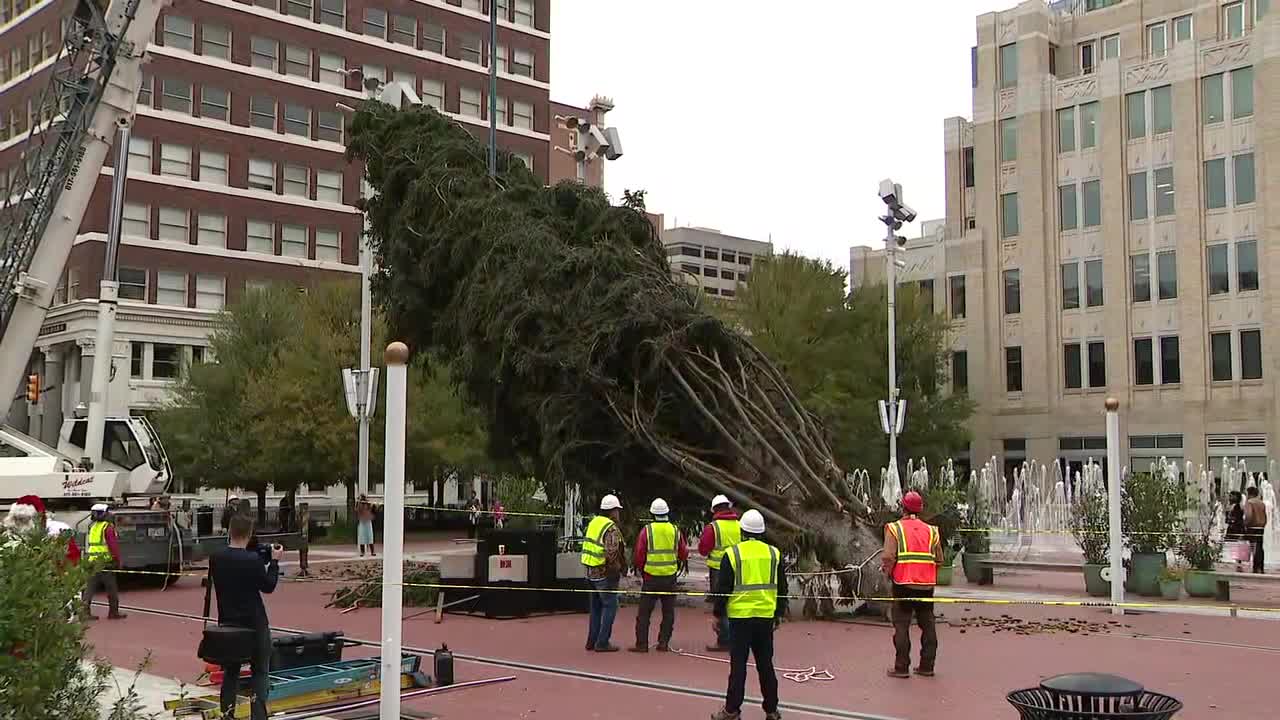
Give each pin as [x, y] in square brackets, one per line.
[893, 412]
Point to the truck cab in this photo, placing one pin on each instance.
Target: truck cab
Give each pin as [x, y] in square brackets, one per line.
[130, 445]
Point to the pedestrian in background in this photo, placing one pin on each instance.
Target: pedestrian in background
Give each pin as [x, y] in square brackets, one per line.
[1236, 532]
[364, 525]
[661, 554]
[1255, 523]
[604, 557]
[911, 556]
[229, 511]
[103, 550]
[499, 514]
[718, 535]
[304, 530]
[240, 576]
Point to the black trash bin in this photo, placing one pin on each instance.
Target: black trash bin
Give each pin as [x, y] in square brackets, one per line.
[1092, 696]
[204, 521]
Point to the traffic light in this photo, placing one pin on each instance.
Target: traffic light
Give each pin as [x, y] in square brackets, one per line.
[33, 388]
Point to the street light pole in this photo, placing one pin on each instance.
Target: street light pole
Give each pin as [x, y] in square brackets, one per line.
[891, 280]
[366, 329]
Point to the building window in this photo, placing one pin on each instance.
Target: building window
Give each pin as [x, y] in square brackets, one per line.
[333, 13]
[1091, 203]
[215, 41]
[1088, 125]
[211, 291]
[1260, 8]
[1140, 267]
[522, 113]
[1157, 39]
[332, 69]
[968, 167]
[375, 23]
[1144, 368]
[1013, 369]
[1242, 168]
[1182, 29]
[955, 285]
[1233, 19]
[1167, 272]
[262, 174]
[297, 120]
[140, 154]
[404, 30]
[1012, 292]
[1110, 47]
[293, 241]
[175, 160]
[136, 220]
[960, 371]
[211, 230]
[1136, 112]
[264, 53]
[175, 225]
[1219, 274]
[1009, 215]
[1009, 65]
[215, 103]
[328, 186]
[469, 47]
[213, 167]
[524, 13]
[1070, 273]
[1138, 196]
[171, 289]
[433, 38]
[179, 32]
[1246, 265]
[1220, 356]
[373, 72]
[166, 360]
[1072, 362]
[1009, 140]
[328, 246]
[1211, 99]
[1097, 364]
[1241, 93]
[297, 61]
[525, 158]
[433, 93]
[329, 126]
[1093, 283]
[500, 110]
[1162, 179]
[297, 180]
[1067, 213]
[1170, 362]
[522, 62]
[469, 102]
[260, 237]
[175, 95]
[1215, 183]
[1161, 110]
[1067, 129]
[1250, 354]
[133, 284]
[298, 8]
[262, 112]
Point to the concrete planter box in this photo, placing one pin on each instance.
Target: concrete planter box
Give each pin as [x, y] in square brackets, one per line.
[1093, 582]
[1200, 584]
[1144, 573]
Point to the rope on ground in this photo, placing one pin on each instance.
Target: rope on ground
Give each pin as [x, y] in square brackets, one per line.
[798, 675]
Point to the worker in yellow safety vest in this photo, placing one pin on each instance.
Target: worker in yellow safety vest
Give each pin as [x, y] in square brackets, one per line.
[661, 555]
[751, 590]
[721, 533]
[604, 560]
[911, 556]
[103, 551]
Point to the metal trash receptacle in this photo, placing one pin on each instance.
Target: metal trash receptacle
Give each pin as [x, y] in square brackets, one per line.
[1092, 696]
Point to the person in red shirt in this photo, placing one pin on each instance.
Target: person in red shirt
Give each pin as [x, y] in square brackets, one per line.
[104, 549]
[661, 554]
[717, 536]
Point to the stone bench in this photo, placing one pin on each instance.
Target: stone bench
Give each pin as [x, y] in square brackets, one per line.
[1223, 581]
[988, 566]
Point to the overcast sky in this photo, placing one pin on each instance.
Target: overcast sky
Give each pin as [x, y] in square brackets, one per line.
[759, 118]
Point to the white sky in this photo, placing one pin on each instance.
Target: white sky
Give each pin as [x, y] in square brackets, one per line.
[757, 117]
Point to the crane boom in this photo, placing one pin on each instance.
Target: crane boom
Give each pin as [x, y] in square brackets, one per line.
[92, 92]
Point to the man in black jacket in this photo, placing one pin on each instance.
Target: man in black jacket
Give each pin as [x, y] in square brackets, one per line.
[239, 578]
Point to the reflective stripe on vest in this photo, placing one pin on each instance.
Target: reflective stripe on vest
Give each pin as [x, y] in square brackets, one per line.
[593, 543]
[98, 549]
[916, 564]
[755, 578]
[660, 551]
[727, 533]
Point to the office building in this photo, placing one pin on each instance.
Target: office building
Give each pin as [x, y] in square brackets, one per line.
[708, 258]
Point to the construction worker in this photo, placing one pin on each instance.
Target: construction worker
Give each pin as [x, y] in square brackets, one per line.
[661, 555]
[717, 535]
[751, 590]
[911, 556]
[605, 562]
[103, 550]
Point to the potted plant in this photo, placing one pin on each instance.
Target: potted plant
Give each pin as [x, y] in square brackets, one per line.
[1171, 583]
[1151, 508]
[942, 503]
[1201, 545]
[975, 540]
[1090, 526]
[947, 568]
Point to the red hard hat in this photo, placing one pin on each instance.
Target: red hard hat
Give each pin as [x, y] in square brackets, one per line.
[912, 502]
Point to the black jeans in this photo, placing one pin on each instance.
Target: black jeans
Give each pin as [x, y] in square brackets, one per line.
[751, 636]
[1255, 535]
[103, 580]
[721, 625]
[259, 684]
[656, 585]
[903, 611]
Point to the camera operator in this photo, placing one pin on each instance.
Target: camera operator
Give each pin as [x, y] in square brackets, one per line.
[240, 576]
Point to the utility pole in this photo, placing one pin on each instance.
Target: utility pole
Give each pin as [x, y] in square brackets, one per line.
[893, 411]
[493, 88]
[396, 357]
[365, 396]
[1114, 529]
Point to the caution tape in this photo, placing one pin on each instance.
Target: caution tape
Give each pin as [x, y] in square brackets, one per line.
[936, 600]
[505, 513]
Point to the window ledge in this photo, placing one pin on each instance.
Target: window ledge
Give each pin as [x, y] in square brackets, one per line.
[1221, 383]
[1171, 386]
[1144, 388]
[1252, 382]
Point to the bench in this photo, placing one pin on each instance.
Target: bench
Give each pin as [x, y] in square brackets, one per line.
[987, 574]
[1223, 582]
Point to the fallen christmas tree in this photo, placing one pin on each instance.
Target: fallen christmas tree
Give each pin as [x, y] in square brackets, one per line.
[559, 316]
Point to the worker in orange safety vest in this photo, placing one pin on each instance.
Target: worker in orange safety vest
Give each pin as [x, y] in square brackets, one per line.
[911, 556]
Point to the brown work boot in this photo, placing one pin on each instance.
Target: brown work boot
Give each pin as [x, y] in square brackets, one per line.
[639, 649]
[663, 647]
[775, 715]
[607, 648]
[718, 648]
[117, 616]
[896, 673]
[926, 672]
[723, 714]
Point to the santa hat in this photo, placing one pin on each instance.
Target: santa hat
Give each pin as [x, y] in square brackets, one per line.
[32, 500]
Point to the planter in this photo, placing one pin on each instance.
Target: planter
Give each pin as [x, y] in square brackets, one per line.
[1093, 582]
[1171, 589]
[1144, 573]
[1201, 583]
[944, 574]
[974, 571]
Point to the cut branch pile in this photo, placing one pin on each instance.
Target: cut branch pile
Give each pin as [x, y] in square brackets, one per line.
[365, 586]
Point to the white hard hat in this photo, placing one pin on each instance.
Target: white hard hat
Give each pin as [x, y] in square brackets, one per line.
[719, 500]
[659, 507]
[752, 522]
[56, 527]
[99, 507]
[610, 502]
[233, 496]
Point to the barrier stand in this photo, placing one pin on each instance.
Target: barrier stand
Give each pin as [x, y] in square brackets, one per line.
[396, 357]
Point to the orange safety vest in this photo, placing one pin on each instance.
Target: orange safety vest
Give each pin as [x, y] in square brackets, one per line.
[916, 563]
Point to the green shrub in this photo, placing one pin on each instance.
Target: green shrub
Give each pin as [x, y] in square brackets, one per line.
[1091, 526]
[1151, 508]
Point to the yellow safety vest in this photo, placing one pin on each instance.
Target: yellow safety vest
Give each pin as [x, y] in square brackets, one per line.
[593, 544]
[98, 549]
[755, 584]
[728, 533]
[660, 549]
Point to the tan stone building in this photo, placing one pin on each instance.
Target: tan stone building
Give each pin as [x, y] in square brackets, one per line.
[712, 260]
[1113, 228]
